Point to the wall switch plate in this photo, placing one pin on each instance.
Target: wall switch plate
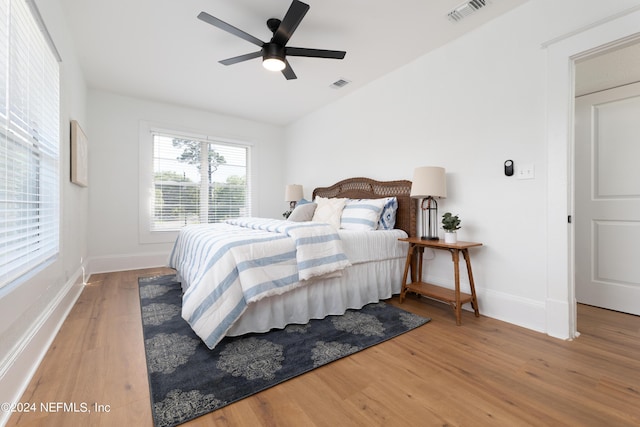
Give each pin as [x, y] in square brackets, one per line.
[526, 171]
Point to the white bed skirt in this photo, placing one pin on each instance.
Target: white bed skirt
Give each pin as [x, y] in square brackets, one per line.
[358, 286]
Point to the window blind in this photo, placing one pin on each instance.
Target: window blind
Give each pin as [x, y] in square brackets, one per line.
[29, 144]
[197, 180]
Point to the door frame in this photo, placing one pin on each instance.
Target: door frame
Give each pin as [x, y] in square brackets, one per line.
[562, 52]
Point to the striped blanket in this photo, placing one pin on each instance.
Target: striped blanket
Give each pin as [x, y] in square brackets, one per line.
[224, 267]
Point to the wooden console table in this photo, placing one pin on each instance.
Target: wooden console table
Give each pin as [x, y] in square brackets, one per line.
[453, 297]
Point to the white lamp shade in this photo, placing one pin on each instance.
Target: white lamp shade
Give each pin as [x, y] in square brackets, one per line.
[429, 181]
[293, 193]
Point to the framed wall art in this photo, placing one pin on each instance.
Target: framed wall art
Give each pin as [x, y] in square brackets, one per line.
[79, 155]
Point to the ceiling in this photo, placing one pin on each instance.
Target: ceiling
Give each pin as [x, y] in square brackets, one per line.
[159, 50]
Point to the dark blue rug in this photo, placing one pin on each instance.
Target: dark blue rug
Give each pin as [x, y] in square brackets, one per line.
[188, 380]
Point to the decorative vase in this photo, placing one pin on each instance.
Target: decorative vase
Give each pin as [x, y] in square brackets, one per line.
[450, 237]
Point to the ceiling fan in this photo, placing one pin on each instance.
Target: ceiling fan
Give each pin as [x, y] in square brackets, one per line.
[274, 53]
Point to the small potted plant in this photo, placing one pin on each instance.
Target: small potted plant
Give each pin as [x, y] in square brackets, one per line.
[450, 223]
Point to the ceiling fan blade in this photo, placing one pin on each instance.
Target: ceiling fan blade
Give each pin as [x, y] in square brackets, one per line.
[241, 58]
[204, 16]
[315, 53]
[290, 22]
[288, 71]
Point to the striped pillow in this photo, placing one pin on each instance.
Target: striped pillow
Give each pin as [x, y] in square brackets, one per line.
[362, 214]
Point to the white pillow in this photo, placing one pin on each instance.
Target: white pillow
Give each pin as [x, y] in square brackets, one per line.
[362, 214]
[329, 211]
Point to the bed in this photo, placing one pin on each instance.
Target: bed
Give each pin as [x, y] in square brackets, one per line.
[259, 281]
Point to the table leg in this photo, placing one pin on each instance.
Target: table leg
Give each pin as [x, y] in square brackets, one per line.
[420, 254]
[474, 300]
[456, 270]
[403, 292]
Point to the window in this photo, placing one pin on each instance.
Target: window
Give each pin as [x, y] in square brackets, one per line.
[197, 180]
[29, 144]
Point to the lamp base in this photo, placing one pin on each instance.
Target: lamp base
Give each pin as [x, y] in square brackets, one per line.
[429, 208]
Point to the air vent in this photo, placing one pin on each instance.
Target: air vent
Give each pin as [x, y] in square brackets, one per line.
[339, 84]
[466, 9]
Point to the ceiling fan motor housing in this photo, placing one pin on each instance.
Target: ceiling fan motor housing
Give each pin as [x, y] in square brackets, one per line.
[272, 51]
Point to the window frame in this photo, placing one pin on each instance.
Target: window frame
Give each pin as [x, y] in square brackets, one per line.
[146, 178]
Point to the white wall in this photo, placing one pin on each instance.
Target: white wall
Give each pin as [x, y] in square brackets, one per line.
[468, 107]
[31, 313]
[114, 172]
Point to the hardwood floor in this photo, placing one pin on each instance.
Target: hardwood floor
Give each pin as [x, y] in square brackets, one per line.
[485, 372]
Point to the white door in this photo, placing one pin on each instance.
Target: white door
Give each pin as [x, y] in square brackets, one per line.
[607, 199]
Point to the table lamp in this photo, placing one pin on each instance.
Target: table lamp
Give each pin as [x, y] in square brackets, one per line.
[428, 184]
[292, 194]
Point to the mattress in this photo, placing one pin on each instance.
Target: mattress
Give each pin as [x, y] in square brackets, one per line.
[365, 246]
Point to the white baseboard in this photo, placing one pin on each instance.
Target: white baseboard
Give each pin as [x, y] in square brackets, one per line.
[508, 308]
[519, 311]
[18, 368]
[111, 263]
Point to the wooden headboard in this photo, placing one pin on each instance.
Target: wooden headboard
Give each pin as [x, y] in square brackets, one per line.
[366, 188]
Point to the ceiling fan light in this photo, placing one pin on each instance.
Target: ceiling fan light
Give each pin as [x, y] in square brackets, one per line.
[273, 64]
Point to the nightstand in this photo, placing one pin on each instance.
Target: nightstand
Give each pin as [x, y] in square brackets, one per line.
[453, 297]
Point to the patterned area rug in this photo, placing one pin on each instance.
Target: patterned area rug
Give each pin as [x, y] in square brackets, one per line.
[188, 380]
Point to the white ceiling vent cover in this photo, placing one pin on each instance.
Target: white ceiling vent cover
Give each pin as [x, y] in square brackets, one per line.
[466, 9]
